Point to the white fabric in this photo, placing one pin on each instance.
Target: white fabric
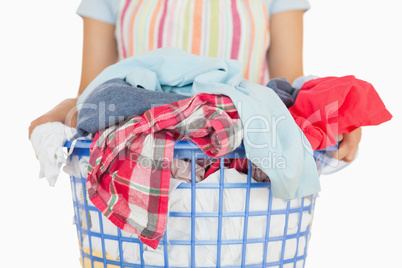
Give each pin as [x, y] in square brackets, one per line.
[232, 227]
[207, 200]
[47, 141]
[77, 167]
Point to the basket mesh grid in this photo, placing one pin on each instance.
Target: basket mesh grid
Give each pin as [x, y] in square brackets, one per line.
[129, 246]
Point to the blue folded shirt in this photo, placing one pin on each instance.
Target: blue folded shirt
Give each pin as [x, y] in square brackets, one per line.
[114, 101]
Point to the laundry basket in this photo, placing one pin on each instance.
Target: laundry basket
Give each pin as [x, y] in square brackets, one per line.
[260, 231]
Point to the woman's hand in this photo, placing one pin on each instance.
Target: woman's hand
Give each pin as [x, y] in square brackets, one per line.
[65, 112]
[348, 147]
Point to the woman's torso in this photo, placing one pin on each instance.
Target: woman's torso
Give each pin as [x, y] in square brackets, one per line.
[235, 29]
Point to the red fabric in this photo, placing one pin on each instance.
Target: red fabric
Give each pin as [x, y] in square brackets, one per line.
[130, 165]
[328, 106]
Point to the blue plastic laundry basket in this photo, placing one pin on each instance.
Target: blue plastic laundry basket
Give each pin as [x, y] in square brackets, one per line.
[95, 241]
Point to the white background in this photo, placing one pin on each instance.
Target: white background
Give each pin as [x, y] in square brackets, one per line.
[358, 214]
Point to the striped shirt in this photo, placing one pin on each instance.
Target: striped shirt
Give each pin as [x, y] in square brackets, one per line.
[235, 29]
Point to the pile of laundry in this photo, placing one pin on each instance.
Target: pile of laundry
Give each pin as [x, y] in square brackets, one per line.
[137, 108]
[178, 227]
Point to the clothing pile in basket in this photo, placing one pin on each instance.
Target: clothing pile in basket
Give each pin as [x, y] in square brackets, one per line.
[207, 200]
[139, 106]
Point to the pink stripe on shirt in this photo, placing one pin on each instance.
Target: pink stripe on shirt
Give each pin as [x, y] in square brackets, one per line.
[236, 31]
[161, 25]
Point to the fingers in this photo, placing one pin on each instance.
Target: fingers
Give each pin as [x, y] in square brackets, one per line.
[338, 137]
[348, 147]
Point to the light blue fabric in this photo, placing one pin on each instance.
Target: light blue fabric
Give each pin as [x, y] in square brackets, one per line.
[272, 140]
[107, 10]
[327, 163]
[276, 6]
[174, 68]
[298, 82]
[102, 10]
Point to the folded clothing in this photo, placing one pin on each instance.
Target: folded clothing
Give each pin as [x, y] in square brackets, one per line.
[114, 101]
[329, 106]
[130, 166]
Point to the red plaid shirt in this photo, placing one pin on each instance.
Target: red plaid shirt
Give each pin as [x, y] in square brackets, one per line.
[129, 165]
